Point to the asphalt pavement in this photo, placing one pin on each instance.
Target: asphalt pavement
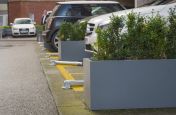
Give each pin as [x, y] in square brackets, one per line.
[23, 86]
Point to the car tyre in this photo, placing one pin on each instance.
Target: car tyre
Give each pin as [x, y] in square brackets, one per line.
[55, 41]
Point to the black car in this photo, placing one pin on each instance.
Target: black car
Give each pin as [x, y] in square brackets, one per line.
[73, 11]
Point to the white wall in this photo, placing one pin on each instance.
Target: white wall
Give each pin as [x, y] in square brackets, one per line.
[3, 7]
[3, 15]
[4, 20]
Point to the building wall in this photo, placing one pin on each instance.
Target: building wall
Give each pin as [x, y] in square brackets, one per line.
[17, 9]
[3, 13]
[3, 1]
[3, 7]
[139, 3]
[127, 3]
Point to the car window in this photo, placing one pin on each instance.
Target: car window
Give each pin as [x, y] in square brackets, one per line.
[97, 9]
[69, 10]
[63, 10]
[23, 21]
[86, 9]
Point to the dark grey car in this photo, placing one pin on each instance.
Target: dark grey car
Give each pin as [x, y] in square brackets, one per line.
[73, 11]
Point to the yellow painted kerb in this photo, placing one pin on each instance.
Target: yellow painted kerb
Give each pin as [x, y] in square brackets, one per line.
[64, 72]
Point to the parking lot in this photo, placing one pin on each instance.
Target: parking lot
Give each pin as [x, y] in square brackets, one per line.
[31, 84]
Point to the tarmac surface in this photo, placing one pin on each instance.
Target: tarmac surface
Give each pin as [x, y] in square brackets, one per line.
[23, 86]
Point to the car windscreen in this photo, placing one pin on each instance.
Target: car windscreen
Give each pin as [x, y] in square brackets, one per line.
[98, 9]
[53, 13]
[23, 21]
[86, 9]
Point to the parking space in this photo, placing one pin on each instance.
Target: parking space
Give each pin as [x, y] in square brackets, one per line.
[68, 72]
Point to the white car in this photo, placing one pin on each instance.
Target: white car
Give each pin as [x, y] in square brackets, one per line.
[23, 27]
[104, 20]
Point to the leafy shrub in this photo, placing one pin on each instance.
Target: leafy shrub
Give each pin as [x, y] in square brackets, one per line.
[5, 27]
[39, 28]
[109, 41]
[144, 38]
[155, 38]
[72, 31]
[134, 36]
[171, 36]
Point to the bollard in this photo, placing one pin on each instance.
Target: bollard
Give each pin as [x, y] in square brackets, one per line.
[55, 62]
[69, 83]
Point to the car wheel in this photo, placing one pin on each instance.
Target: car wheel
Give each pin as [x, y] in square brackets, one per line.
[55, 41]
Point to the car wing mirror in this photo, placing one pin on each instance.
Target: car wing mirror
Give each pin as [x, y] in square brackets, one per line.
[34, 22]
[11, 24]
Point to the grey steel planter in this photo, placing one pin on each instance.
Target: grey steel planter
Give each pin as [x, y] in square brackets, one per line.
[7, 32]
[72, 51]
[128, 84]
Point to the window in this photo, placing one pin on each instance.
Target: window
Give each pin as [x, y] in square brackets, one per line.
[97, 9]
[86, 9]
[23, 21]
[1, 20]
[69, 10]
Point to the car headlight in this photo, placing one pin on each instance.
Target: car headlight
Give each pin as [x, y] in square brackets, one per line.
[32, 28]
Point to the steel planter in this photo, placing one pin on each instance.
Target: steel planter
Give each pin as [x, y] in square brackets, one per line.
[127, 84]
[72, 51]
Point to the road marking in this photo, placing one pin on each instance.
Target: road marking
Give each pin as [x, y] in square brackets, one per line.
[78, 88]
[68, 76]
[54, 57]
[64, 72]
[77, 73]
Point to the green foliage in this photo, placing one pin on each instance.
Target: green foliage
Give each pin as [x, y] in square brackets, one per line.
[110, 44]
[144, 38]
[5, 27]
[135, 36]
[155, 38]
[72, 31]
[171, 37]
[39, 28]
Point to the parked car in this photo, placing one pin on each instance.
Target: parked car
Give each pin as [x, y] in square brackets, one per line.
[71, 12]
[45, 17]
[23, 27]
[104, 20]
